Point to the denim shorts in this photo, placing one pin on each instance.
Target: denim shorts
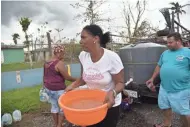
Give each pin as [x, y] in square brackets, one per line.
[179, 102]
[53, 99]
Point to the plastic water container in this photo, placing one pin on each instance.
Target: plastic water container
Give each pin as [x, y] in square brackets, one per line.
[7, 119]
[43, 96]
[17, 116]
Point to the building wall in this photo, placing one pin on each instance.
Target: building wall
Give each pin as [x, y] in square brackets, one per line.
[28, 78]
[13, 55]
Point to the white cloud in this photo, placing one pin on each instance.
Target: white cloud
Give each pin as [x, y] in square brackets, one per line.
[60, 15]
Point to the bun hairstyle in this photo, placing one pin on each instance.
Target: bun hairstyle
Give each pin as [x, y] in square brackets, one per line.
[95, 30]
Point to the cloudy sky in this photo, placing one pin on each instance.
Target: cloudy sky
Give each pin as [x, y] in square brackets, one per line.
[61, 15]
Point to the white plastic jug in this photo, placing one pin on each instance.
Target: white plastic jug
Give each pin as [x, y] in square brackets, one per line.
[43, 96]
[7, 119]
[17, 116]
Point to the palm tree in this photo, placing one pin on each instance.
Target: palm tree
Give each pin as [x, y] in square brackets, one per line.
[25, 23]
[178, 9]
[15, 37]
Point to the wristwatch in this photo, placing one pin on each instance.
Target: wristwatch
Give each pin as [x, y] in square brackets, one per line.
[114, 93]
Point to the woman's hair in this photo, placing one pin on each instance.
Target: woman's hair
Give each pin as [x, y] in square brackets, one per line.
[95, 30]
[58, 49]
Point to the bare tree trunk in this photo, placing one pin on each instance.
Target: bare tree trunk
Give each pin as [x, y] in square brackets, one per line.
[32, 43]
[92, 13]
[29, 53]
[178, 22]
[129, 26]
[178, 18]
[49, 44]
[35, 58]
[141, 9]
[127, 21]
[129, 16]
[172, 22]
[30, 58]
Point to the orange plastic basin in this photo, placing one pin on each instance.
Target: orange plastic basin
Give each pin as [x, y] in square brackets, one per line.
[84, 107]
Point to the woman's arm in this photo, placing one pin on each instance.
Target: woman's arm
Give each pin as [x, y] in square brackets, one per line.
[60, 67]
[119, 81]
[77, 83]
[119, 86]
[117, 72]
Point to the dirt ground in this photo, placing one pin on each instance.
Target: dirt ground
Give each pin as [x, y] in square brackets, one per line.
[141, 115]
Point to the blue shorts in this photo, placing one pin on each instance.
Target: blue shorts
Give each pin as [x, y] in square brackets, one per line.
[53, 99]
[179, 102]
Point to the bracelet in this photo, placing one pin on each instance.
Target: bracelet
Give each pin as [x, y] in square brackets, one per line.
[114, 93]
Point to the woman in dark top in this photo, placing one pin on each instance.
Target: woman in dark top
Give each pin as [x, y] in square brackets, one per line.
[55, 75]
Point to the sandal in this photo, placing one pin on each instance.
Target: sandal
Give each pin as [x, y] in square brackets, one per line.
[160, 125]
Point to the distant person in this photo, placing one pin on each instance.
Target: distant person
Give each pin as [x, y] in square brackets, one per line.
[101, 69]
[174, 70]
[55, 74]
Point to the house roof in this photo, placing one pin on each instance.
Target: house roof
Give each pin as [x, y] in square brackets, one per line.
[12, 46]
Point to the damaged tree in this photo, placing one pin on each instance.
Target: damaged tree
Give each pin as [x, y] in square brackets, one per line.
[178, 9]
[25, 23]
[135, 25]
[92, 13]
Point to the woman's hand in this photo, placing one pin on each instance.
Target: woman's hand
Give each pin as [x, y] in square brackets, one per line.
[70, 87]
[110, 100]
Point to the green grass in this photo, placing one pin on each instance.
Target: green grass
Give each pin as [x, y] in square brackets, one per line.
[25, 99]
[19, 66]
